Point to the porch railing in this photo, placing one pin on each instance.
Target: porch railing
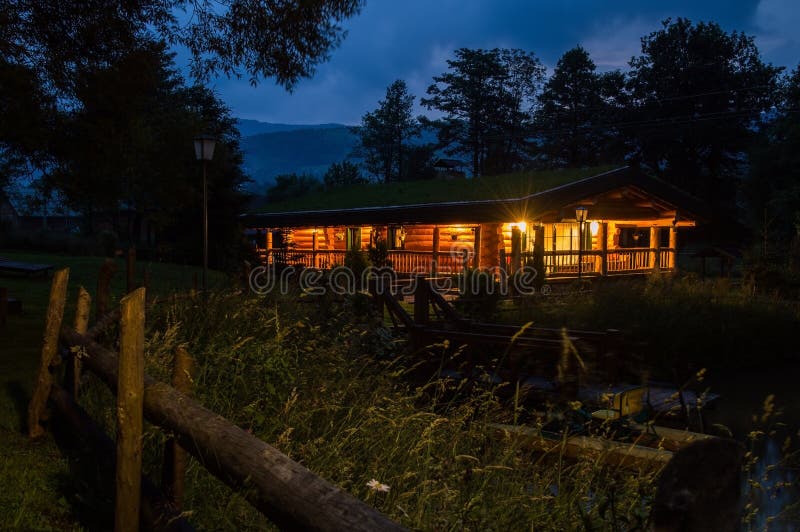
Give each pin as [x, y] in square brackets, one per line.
[556, 263]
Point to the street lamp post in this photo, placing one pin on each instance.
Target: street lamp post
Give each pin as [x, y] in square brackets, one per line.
[204, 151]
[580, 215]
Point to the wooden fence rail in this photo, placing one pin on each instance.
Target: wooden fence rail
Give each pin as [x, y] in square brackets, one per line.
[284, 491]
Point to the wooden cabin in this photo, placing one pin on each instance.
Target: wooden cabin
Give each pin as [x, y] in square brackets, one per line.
[631, 225]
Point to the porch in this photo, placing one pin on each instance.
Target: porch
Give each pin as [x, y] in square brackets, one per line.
[557, 264]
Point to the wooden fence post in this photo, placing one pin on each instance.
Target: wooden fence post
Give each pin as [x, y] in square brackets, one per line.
[175, 458]
[81, 326]
[130, 269]
[55, 313]
[3, 305]
[130, 397]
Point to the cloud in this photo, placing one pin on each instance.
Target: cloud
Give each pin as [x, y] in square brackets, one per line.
[612, 44]
[777, 23]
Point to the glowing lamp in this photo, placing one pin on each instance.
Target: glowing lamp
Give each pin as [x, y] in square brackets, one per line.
[580, 213]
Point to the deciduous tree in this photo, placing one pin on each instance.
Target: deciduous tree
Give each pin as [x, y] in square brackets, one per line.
[697, 91]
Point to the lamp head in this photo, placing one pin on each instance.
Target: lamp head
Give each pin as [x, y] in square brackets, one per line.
[204, 147]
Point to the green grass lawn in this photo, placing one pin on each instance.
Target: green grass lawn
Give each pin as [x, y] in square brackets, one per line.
[410, 192]
[33, 475]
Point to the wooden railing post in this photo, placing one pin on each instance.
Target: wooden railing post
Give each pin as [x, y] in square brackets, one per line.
[604, 248]
[175, 458]
[435, 252]
[654, 244]
[44, 380]
[673, 246]
[314, 248]
[81, 326]
[130, 398]
[516, 249]
[476, 248]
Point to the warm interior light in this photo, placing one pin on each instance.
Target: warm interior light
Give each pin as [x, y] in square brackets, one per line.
[522, 226]
[594, 227]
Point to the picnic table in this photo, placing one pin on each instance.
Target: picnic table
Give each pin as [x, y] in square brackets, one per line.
[25, 268]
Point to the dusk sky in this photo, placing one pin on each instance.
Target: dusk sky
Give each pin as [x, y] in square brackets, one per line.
[412, 39]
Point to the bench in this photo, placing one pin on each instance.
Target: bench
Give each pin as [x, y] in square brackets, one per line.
[25, 268]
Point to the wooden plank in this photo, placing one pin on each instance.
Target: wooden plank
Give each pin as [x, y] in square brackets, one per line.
[175, 459]
[82, 310]
[616, 453]
[286, 492]
[44, 380]
[130, 396]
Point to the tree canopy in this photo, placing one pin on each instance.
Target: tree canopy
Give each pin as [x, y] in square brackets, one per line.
[575, 109]
[697, 92]
[284, 39]
[486, 97]
[385, 133]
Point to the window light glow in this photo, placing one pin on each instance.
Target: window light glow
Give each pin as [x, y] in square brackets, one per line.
[594, 227]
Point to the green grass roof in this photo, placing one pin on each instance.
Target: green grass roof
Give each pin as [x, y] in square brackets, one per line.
[436, 190]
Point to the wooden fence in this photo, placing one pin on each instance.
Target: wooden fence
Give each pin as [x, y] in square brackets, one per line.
[284, 491]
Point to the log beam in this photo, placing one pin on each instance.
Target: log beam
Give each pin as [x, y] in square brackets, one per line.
[286, 492]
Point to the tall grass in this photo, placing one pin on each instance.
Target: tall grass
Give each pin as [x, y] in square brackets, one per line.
[323, 381]
[677, 324]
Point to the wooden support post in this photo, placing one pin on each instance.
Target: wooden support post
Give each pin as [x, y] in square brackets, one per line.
[130, 269]
[421, 300]
[673, 246]
[107, 271]
[81, 326]
[268, 246]
[603, 248]
[44, 380]
[314, 248]
[538, 255]
[654, 245]
[516, 249]
[130, 397]
[3, 305]
[476, 248]
[435, 252]
[175, 458]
